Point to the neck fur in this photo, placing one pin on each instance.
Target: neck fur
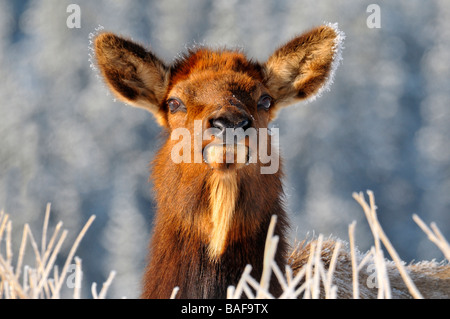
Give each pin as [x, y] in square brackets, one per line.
[208, 227]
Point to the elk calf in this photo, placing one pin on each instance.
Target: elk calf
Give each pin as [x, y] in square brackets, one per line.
[213, 213]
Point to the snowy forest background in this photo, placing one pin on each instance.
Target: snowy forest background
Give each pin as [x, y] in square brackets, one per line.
[384, 126]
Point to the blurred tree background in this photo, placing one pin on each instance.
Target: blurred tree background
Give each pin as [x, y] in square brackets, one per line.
[384, 126]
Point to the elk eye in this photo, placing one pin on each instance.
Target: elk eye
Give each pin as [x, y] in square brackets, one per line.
[264, 102]
[175, 105]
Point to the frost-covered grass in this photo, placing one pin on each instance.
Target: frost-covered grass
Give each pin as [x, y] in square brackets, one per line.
[315, 280]
[313, 271]
[45, 279]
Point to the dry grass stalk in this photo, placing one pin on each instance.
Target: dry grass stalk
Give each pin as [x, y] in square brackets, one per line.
[105, 287]
[307, 281]
[44, 280]
[434, 235]
[314, 270]
[379, 234]
[314, 279]
[174, 292]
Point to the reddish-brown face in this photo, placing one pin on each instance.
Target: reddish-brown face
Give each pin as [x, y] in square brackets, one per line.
[223, 97]
[214, 102]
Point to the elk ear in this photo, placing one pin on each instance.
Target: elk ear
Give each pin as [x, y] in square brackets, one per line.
[135, 75]
[304, 67]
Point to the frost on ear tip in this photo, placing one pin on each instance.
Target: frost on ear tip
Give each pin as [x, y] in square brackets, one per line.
[338, 44]
[337, 58]
[93, 64]
[91, 50]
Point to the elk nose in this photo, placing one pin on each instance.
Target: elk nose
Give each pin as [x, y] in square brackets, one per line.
[223, 123]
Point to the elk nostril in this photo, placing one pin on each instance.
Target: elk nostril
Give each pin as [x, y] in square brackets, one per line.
[244, 124]
[220, 124]
[228, 128]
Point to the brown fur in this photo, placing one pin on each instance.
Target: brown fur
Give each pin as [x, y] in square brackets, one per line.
[135, 75]
[298, 69]
[212, 219]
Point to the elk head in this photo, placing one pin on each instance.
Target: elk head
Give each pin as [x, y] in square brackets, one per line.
[216, 186]
[217, 100]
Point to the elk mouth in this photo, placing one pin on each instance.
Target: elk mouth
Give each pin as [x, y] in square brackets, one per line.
[226, 156]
